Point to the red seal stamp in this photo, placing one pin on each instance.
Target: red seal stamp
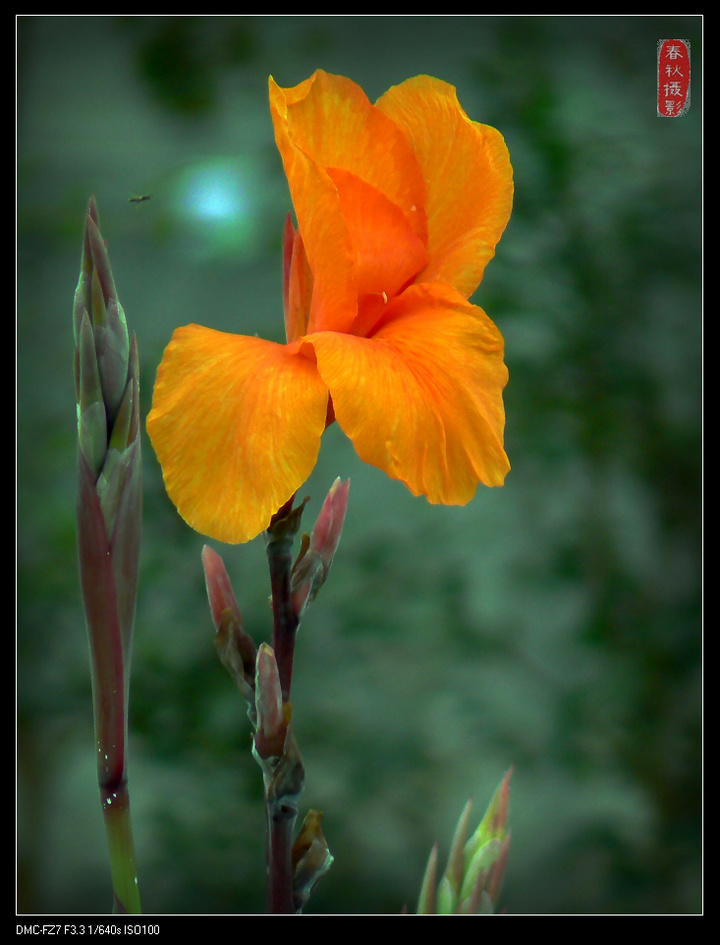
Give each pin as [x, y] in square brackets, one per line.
[673, 78]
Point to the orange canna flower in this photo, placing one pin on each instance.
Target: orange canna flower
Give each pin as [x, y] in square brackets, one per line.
[399, 206]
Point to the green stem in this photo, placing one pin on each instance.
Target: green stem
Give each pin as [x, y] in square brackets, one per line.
[118, 828]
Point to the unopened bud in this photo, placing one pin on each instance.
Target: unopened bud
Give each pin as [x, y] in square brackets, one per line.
[236, 649]
[472, 880]
[493, 826]
[91, 413]
[311, 857]
[312, 568]
[272, 714]
[112, 344]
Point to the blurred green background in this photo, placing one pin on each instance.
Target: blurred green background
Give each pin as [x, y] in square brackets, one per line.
[553, 625]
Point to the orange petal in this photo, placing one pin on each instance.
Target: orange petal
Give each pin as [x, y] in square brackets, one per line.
[327, 247]
[331, 120]
[422, 398]
[297, 283]
[468, 179]
[328, 123]
[236, 424]
[388, 254]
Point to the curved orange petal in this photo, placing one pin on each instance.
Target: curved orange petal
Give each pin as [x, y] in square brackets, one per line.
[236, 425]
[422, 398]
[326, 243]
[388, 254]
[330, 118]
[297, 283]
[468, 179]
[323, 124]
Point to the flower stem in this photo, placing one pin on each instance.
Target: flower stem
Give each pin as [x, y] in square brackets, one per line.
[283, 786]
[281, 819]
[116, 813]
[264, 675]
[285, 622]
[279, 538]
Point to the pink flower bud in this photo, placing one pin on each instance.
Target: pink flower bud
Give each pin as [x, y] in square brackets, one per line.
[271, 713]
[312, 569]
[219, 589]
[236, 648]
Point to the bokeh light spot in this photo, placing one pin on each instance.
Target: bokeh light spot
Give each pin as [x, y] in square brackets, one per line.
[216, 207]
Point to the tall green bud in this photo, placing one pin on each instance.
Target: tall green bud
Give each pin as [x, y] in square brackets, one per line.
[109, 522]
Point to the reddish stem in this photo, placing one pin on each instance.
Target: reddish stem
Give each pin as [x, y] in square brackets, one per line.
[286, 782]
